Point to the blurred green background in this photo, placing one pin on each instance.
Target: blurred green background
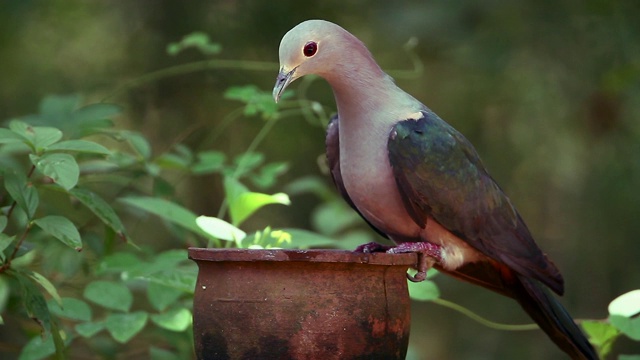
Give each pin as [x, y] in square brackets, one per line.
[547, 91]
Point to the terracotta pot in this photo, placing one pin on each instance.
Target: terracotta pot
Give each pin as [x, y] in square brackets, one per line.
[300, 304]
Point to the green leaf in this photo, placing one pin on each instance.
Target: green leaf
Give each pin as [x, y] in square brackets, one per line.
[334, 217]
[629, 357]
[3, 222]
[209, 162]
[178, 319]
[161, 296]
[22, 192]
[628, 326]
[37, 137]
[306, 239]
[83, 146]
[72, 308]
[197, 40]
[92, 112]
[118, 263]
[423, 291]
[100, 208]
[246, 162]
[89, 329]
[9, 137]
[38, 348]
[5, 241]
[123, 327]
[183, 278]
[220, 229]
[601, 334]
[168, 211]
[233, 188]
[61, 168]
[34, 302]
[111, 295]
[138, 142]
[156, 353]
[246, 204]
[62, 229]
[47, 285]
[268, 174]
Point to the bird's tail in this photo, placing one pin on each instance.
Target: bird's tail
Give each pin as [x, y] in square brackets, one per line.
[553, 318]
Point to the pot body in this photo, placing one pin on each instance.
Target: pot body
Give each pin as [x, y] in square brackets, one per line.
[300, 304]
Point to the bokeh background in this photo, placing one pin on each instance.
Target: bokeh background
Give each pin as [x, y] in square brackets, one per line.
[548, 91]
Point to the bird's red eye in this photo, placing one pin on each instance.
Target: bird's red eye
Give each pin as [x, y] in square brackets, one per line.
[310, 49]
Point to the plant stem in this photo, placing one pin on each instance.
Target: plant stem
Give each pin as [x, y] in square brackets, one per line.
[488, 323]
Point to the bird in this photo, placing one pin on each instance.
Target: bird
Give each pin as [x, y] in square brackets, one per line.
[420, 183]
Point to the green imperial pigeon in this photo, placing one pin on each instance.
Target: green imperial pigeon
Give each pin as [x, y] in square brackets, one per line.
[419, 182]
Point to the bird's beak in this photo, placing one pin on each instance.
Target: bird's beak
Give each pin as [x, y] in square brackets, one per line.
[282, 81]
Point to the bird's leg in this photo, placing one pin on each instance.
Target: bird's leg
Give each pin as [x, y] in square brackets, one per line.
[372, 247]
[428, 255]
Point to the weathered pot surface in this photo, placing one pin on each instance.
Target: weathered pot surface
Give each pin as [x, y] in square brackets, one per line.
[300, 304]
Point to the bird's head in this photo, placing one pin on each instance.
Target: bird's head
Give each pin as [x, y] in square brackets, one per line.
[308, 48]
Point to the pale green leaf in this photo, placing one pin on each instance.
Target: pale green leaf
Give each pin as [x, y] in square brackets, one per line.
[62, 229]
[628, 326]
[220, 229]
[178, 319]
[61, 168]
[111, 295]
[626, 305]
[306, 239]
[123, 327]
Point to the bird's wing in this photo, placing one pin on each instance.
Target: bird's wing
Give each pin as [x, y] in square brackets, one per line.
[439, 174]
[332, 144]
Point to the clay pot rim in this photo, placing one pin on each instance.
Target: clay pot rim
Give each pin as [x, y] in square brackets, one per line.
[314, 255]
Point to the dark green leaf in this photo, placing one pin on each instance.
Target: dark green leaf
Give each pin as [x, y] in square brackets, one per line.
[119, 262]
[178, 319]
[47, 285]
[83, 146]
[5, 241]
[34, 302]
[61, 168]
[92, 112]
[123, 327]
[111, 295]
[100, 208]
[74, 309]
[22, 192]
[62, 229]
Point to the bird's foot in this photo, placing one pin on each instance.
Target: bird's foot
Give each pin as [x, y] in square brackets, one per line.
[428, 255]
[372, 247]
